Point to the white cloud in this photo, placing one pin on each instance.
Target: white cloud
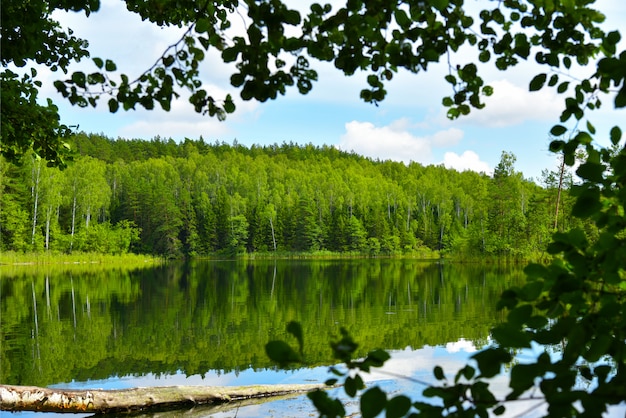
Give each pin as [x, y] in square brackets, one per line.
[512, 105]
[469, 160]
[461, 345]
[395, 142]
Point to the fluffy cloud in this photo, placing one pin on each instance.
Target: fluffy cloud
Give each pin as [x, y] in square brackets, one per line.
[469, 160]
[395, 142]
[512, 105]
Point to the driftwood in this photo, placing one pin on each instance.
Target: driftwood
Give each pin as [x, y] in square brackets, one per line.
[32, 398]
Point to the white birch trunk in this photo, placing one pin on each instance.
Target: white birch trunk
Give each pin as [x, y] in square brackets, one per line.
[31, 398]
[35, 193]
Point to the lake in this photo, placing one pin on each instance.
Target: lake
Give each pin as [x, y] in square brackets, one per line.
[206, 322]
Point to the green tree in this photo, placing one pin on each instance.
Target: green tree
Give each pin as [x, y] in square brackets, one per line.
[507, 218]
[51, 200]
[88, 193]
[14, 217]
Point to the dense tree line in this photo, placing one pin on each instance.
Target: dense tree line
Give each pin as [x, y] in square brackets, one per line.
[198, 198]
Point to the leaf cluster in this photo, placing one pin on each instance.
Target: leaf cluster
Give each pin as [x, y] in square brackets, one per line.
[276, 51]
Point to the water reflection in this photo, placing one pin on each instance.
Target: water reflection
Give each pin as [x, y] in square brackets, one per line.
[200, 318]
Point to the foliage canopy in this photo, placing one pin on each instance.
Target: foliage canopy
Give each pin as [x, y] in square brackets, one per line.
[277, 47]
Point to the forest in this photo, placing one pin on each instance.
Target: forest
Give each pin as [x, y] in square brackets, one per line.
[195, 198]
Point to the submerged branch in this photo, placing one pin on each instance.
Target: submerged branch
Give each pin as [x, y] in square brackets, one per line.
[32, 398]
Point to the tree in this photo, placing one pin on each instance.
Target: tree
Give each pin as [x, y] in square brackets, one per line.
[88, 192]
[14, 219]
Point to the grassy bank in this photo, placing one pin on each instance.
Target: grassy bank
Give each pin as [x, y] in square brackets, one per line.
[424, 254]
[44, 258]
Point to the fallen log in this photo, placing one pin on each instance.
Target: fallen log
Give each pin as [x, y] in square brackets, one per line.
[32, 398]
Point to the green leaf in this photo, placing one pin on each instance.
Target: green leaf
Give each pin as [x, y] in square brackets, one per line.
[537, 322]
[556, 145]
[587, 203]
[531, 290]
[378, 357]
[523, 376]
[584, 138]
[591, 128]
[402, 18]
[439, 4]
[558, 130]
[281, 352]
[168, 60]
[79, 79]
[398, 406]
[202, 25]
[373, 401]
[230, 54]
[229, 105]
[438, 372]
[466, 372]
[110, 65]
[98, 61]
[520, 315]
[537, 82]
[553, 80]
[510, 336]
[113, 105]
[616, 135]
[591, 171]
[490, 361]
[325, 405]
[535, 270]
[599, 347]
[352, 385]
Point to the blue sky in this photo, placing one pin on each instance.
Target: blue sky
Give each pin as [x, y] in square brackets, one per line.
[410, 125]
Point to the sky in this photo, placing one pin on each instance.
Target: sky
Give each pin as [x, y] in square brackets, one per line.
[409, 125]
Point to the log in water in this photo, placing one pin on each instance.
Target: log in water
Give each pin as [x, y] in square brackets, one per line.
[32, 398]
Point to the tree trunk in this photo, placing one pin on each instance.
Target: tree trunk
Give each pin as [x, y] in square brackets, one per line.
[48, 216]
[273, 236]
[558, 195]
[31, 398]
[73, 222]
[35, 194]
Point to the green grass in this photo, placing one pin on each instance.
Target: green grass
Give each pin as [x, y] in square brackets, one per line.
[42, 258]
[424, 254]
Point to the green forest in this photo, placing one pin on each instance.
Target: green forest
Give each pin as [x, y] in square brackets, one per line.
[196, 198]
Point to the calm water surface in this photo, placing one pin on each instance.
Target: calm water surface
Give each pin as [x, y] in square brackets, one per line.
[206, 322]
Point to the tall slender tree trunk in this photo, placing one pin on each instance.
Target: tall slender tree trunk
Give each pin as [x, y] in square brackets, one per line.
[35, 194]
[558, 194]
[48, 216]
[87, 217]
[273, 236]
[73, 222]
